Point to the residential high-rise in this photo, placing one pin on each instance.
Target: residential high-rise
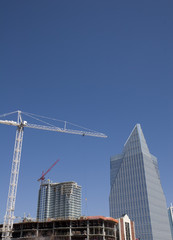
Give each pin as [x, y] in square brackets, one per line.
[136, 189]
[170, 215]
[59, 200]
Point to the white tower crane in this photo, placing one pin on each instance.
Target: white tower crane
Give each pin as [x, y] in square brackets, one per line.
[20, 124]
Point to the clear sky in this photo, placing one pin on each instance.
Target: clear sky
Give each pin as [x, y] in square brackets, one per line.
[105, 65]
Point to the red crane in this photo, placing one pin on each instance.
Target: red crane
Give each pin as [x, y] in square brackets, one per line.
[43, 174]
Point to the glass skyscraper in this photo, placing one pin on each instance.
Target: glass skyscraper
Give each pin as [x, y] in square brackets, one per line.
[59, 200]
[136, 189]
[170, 215]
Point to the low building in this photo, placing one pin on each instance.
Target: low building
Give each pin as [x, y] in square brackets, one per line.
[83, 228]
[126, 228]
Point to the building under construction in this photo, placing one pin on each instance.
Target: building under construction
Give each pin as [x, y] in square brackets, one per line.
[83, 228]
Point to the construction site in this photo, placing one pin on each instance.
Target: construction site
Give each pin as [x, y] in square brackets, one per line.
[8, 229]
[68, 229]
[83, 228]
[59, 204]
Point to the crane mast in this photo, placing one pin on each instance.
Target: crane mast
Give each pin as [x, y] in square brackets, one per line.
[9, 215]
[20, 124]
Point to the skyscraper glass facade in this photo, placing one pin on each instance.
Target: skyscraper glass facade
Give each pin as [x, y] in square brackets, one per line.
[170, 215]
[59, 200]
[136, 189]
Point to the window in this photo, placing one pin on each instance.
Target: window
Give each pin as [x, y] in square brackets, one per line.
[127, 231]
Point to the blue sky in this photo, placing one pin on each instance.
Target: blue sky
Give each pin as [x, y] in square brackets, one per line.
[105, 65]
